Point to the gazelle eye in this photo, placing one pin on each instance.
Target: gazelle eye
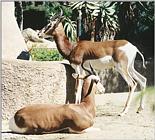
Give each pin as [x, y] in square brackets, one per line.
[96, 81]
[48, 26]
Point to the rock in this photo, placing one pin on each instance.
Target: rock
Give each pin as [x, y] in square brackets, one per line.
[29, 82]
[33, 41]
[12, 41]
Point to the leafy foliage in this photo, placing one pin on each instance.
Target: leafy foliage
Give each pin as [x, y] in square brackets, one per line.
[88, 10]
[137, 16]
[42, 54]
[90, 6]
[149, 94]
[19, 13]
[103, 20]
[109, 19]
[70, 29]
[136, 20]
[69, 25]
[104, 12]
[144, 13]
[52, 8]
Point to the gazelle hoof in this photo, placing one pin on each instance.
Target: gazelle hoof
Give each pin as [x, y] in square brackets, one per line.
[122, 114]
[139, 109]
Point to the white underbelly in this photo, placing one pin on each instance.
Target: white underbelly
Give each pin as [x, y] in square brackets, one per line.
[106, 62]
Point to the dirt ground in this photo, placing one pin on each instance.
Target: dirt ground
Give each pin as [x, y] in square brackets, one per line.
[131, 126]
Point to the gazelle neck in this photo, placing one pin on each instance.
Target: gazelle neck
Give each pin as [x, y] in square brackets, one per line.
[88, 99]
[63, 44]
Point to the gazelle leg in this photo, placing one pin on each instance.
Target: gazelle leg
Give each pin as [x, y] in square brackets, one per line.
[132, 85]
[142, 81]
[141, 107]
[78, 85]
[78, 89]
[128, 102]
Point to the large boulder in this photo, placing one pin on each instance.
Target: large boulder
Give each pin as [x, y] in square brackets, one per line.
[29, 82]
[33, 41]
[12, 40]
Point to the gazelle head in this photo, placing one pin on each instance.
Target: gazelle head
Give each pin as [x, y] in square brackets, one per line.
[50, 29]
[99, 87]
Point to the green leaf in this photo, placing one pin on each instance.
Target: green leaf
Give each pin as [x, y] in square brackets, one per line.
[107, 4]
[95, 12]
[103, 13]
[111, 11]
[92, 7]
[77, 5]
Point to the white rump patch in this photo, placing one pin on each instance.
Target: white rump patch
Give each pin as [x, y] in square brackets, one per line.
[130, 51]
[14, 127]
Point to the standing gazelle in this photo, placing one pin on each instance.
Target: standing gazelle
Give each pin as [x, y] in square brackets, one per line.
[118, 54]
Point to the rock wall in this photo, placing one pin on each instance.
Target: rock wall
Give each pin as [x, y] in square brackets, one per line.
[25, 82]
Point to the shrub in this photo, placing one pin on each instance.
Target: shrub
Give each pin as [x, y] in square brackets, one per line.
[149, 97]
[43, 54]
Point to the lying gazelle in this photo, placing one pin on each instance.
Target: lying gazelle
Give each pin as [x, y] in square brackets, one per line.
[118, 54]
[49, 118]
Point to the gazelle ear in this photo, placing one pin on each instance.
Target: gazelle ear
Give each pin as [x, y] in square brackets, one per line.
[75, 75]
[62, 18]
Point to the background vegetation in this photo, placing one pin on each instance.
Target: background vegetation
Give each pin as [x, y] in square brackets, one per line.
[96, 21]
[42, 54]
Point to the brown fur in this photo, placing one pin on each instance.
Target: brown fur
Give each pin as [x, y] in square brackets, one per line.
[63, 45]
[42, 118]
[85, 50]
[93, 50]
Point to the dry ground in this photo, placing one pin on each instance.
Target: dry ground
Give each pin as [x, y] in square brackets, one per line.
[131, 126]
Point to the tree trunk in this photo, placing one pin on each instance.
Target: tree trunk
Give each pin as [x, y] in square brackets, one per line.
[79, 24]
[19, 14]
